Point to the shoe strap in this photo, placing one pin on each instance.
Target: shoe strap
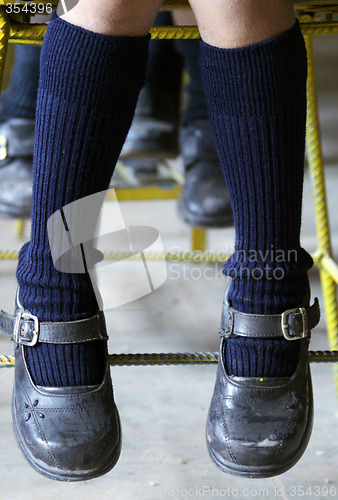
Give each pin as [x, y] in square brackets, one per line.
[292, 324]
[25, 328]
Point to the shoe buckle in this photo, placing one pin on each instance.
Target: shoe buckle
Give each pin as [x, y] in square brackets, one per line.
[286, 327]
[19, 329]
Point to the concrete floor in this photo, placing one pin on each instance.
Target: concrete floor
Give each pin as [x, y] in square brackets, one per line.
[163, 409]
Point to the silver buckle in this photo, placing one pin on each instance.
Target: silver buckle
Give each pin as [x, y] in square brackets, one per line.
[16, 333]
[285, 324]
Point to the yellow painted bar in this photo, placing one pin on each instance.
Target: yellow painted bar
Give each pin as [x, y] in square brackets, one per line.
[4, 34]
[19, 228]
[330, 266]
[316, 169]
[146, 193]
[198, 240]
[33, 33]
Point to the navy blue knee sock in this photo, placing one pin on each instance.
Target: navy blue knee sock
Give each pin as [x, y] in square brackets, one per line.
[164, 70]
[196, 106]
[164, 73]
[19, 100]
[88, 90]
[257, 105]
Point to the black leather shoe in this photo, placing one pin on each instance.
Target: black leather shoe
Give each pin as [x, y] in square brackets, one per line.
[260, 427]
[16, 163]
[205, 200]
[65, 433]
[154, 132]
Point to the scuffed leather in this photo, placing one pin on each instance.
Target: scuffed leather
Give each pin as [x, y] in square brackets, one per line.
[20, 133]
[65, 433]
[205, 200]
[153, 134]
[16, 169]
[260, 427]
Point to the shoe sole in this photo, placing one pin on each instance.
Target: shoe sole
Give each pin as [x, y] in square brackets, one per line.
[204, 222]
[263, 472]
[67, 477]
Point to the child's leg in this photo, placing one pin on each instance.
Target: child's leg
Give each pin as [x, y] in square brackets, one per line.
[254, 70]
[92, 70]
[230, 24]
[124, 18]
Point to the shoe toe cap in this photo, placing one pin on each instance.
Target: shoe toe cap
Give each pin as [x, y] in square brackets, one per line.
[71, 443]
[240, 434]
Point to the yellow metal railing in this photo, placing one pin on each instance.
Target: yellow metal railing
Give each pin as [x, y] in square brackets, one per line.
[328, 268]
[317, 17]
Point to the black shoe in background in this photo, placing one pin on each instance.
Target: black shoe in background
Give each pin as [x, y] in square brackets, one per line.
[16, 166]
[154, 131]
[205, 200]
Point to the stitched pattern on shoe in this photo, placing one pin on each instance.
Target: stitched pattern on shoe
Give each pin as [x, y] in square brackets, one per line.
[225, 427]
[40, 431]
[29, 410]
[297, 403]
[258, 400]
[285, 433]
[71, 408]
[33, 413]
[109, 429]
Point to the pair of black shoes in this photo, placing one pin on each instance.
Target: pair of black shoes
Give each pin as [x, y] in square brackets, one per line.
[156, 134]
[255, 427]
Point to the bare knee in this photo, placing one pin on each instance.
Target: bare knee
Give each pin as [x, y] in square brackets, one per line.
[232, 23]
[111, 17]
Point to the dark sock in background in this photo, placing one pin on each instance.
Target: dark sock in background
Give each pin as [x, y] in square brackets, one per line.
[196, 106]
[164, 70]
[257, 105]
[19, 99]
[167, 60]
